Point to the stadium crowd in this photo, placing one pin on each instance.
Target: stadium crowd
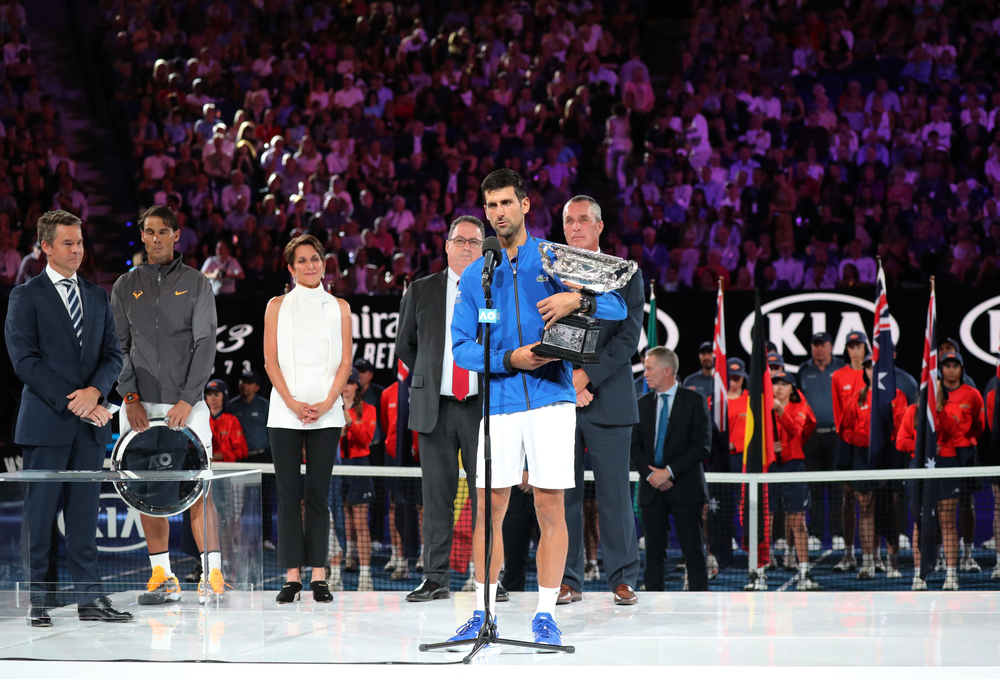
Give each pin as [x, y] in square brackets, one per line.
[36, 172]
[788, 148]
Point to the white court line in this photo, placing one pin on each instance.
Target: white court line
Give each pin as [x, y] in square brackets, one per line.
[795, 578]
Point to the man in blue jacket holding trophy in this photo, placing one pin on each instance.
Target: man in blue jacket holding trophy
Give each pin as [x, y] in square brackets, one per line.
[532, 398]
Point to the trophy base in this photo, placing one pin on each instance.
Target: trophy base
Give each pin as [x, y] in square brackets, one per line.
[572, 339]
[565, 354]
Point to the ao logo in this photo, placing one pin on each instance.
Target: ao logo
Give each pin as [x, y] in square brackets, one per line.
[972, 322]
[664, 323]
[114, 535]
[488, 316]
[784, 318]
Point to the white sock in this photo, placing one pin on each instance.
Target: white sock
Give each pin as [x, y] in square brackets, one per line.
[161, 559]
[480, 596]
[952, 573]
[214, 561]
[547, 600]
[849, 551]
[592, 562]
[804, 568]
[868, 560]
[966, 551]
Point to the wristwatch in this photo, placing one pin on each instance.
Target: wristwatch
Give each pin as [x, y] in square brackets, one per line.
[131, 397]
[585, 302]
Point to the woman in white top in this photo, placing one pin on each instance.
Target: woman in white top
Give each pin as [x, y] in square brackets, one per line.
[307, 355]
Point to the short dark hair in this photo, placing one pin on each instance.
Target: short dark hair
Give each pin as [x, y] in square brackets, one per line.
[501, 179]
[467, 219]
[48, 222]
[161, 211]
[307, 239]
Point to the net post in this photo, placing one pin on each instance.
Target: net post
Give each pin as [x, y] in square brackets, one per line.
[754, 529]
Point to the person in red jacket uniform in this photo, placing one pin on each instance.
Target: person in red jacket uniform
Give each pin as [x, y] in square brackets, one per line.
[988, 461]
[855, 430]
[355, 438]
[228, 442]
[397, 564]
[964, 404]
[738, 402]
[795, 424]
[945, 491]
[845, 383]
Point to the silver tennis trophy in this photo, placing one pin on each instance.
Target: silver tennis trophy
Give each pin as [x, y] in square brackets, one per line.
[574, 338]
[157, 450]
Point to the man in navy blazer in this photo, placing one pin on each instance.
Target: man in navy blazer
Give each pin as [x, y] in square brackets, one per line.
[61, 338]
[606, 411]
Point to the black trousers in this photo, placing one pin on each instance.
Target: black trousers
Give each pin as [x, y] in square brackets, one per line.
[608, 447]
[81, 503]
[820, 451]
[656, 528]
[303, 541]
[457, 429]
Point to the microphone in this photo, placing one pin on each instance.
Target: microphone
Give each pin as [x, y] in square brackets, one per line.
[491, 251]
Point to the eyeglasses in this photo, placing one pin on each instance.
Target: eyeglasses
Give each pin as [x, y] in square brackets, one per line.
[460, 243]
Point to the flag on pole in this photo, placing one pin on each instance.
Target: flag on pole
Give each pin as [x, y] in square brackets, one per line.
[652, 336]
[758, 452]
[720, 502]
[883, 375]
[720, 382]
[926, 443]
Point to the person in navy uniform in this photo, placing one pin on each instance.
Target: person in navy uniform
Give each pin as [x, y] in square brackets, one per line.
[60, 334]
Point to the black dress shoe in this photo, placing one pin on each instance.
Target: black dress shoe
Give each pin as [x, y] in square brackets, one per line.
[100, 609]
[321, 592]
[39, 617]
[428, 591]
[289, 592]
[502, 594]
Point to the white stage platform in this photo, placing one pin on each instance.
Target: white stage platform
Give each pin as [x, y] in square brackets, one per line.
[678, 629]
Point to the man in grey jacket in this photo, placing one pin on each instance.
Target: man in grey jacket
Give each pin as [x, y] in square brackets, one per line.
[166, 322]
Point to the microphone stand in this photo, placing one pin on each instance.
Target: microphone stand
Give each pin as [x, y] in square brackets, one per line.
[488, 632]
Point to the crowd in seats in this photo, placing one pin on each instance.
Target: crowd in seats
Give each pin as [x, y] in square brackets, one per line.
[37, 173]
[789, 148]
[370, 125]
[798, 142]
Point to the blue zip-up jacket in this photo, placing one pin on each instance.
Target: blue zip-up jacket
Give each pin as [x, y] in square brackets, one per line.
[518, 287]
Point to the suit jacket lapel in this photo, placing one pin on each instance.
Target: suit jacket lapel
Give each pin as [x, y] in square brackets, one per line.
[87, 303]
[441, 297]
[55, 302]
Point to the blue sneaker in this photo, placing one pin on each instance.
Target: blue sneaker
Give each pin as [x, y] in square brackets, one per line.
[546, 632]
[468, 632]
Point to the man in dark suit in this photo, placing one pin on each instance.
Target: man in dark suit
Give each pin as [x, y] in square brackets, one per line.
[606, 412]
[669, 445]
[60, 334]
[445, 408]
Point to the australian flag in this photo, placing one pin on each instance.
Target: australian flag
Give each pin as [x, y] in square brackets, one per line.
[883, 376]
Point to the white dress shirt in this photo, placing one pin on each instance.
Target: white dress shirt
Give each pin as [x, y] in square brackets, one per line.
[447, 365]
[55, 277]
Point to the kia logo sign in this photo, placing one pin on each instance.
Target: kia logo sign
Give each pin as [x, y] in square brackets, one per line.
[787, 325]
[973, 323]
[119, 528]
[664, 323]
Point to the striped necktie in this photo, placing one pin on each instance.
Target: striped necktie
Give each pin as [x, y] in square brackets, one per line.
[75, 308]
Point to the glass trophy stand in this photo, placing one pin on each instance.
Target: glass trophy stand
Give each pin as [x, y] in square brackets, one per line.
[229, 629]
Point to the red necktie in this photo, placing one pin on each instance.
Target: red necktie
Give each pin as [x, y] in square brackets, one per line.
[459, 381]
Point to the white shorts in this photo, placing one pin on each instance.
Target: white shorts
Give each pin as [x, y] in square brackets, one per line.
[199, 421]
[545, 436]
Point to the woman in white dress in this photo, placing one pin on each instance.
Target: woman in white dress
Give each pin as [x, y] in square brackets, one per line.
[307, 355]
